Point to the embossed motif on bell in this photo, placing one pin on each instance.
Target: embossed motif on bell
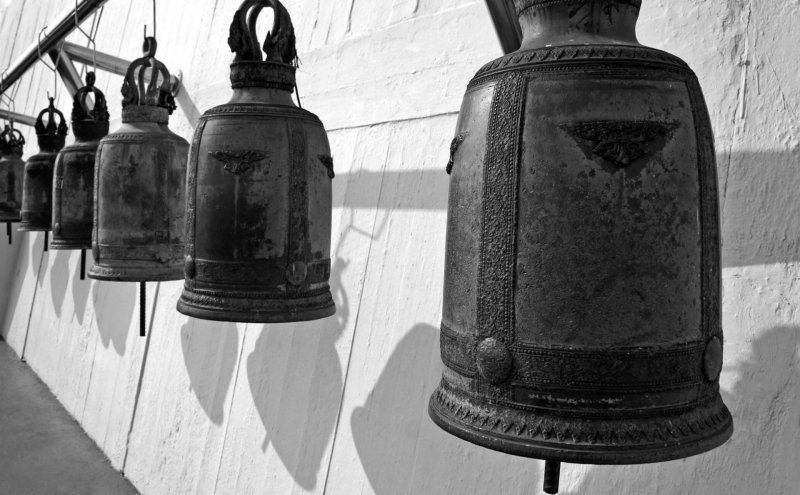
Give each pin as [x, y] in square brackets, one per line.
[259, 191]
[73, 184]
[37, 189]
[140, 183]
[12, 171]
[581, 318]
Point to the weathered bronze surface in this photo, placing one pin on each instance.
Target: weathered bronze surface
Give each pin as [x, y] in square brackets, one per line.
[37, 189]
[259, 191]
[140, 183]
[12, 171]
[581, 317]
[73, 187]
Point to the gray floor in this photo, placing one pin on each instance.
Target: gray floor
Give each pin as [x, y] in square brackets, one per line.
[43, 451]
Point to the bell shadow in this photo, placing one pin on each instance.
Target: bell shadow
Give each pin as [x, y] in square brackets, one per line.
[210, 352]
[765, 404]
[80, 291]
[113, 310]
[296, 380]
[399, 444]
[59, 278]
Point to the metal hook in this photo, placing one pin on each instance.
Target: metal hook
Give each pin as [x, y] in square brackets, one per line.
[53, 68]
[9, 100]
[88, 36]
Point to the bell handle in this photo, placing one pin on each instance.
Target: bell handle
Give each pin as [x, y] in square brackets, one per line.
[134, 89]
[279, 44]
[51, 127]
[80, 106]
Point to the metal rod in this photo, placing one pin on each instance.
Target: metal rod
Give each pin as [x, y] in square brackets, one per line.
[110, 63]
[18, 118]
[552, 475]
[142, 307]
[506, 24]
[9, 233]
[64, 25]
[46, 240]
[83, 264]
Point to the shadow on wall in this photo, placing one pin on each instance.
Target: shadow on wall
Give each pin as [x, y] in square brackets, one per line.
[210, 353]
[59, 278]
[114, 303]
[758, 198]
[402, 451]
[761, 457]
[80, 292]
[296, 380]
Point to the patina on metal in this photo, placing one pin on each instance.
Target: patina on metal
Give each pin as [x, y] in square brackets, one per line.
[140, 183]
[73, 186]
[581, 317]
[259, 191]
[37, 189]
[12, 171]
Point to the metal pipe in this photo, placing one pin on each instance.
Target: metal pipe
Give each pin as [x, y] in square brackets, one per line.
[65, 24]
[506, 24]
[18, 118]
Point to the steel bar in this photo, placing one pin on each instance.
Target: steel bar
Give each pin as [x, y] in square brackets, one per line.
[504, 17]
[18, 118]
[66, 69]
[109, 63]
[62, 27]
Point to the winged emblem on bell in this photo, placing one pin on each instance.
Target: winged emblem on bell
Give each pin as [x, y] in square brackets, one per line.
[239, 162]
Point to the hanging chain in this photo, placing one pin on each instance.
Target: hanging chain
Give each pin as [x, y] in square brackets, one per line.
[55, 65]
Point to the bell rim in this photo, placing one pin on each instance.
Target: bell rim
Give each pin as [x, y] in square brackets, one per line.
[317, 312]
[127, 274]
[650, 453]
[58, 245]
[32, 228]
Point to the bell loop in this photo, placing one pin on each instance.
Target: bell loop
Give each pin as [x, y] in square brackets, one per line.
[280, 43]
[136, 92]
[51, 128]
[80, 107]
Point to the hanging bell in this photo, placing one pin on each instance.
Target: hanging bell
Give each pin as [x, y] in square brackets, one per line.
[581, 318]
[259, 191]
[37, 195]
[140, 185]
[73, 187]
[12, 171]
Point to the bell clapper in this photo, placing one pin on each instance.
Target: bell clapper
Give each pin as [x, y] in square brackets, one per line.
[9, 233]
[142, 304]
[46, 240]
[552, 474]
[83, 264]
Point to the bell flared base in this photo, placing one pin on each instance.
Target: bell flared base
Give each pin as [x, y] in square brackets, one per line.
[135, 272]
[70, 244]
[32, 227]
[622, 439]
[218, 307]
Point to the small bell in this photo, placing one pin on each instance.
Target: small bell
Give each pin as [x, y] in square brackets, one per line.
[73, 187]
[140, 183]
[37, 195]
[259, 191]
[12, 171]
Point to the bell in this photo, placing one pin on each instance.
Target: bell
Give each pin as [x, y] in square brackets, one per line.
[581, 318]
[12, 170]
[259, 191]
[140, 175]
[73, 187]
[37, 195]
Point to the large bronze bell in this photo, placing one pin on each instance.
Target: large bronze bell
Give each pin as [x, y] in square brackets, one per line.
[259, 191]
[581, 317]
[12, 171]
[73, 187]
[37, 190]
[140, 183]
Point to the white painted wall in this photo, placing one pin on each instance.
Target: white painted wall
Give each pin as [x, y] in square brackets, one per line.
[339, 406]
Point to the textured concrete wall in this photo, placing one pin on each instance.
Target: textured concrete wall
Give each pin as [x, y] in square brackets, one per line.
[339, 405]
